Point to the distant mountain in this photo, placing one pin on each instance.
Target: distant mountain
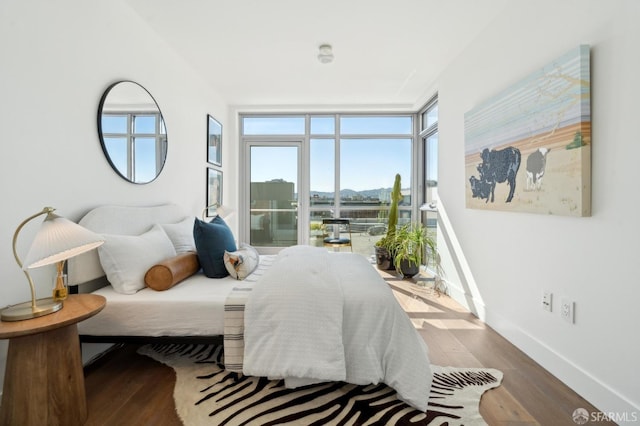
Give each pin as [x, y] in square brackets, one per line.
[380, 193]
[351, 193]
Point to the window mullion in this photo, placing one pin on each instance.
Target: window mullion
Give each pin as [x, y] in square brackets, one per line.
[336, 180]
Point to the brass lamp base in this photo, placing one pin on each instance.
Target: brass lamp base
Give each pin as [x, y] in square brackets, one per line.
[24, 311]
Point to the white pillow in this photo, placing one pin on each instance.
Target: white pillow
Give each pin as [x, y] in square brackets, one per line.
[126, 258]
[242, 262]
[181, 234]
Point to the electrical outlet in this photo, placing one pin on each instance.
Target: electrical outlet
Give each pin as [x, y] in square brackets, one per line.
[547, 298]
[566, 310]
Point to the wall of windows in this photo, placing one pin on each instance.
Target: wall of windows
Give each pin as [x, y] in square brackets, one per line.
[429, 171]
[346, 169]
[429, 137]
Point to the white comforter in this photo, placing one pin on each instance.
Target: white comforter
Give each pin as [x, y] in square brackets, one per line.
[319, 316]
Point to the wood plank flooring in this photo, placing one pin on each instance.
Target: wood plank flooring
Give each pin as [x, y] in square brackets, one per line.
[125, 388]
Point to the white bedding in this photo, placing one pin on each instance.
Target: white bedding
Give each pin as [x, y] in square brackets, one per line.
[194, 307]
[351, 328]
[280, 313]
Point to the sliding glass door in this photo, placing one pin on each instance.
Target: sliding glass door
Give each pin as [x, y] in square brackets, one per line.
[273, 194]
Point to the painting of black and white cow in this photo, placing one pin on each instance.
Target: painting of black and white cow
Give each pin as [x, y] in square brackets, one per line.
[498, 166]
[536, 163]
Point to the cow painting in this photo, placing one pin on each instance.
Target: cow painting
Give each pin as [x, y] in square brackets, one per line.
[536, 163]
[498, 166]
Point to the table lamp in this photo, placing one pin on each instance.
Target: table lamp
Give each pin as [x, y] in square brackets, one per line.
[57, 240]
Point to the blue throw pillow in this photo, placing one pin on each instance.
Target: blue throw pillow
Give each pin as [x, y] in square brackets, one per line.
[212, 239]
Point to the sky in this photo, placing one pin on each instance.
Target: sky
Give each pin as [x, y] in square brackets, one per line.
[365, 162]
[554, 96]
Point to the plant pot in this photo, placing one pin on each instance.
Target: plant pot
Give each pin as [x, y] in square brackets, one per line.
[384, 260]
[408, 269]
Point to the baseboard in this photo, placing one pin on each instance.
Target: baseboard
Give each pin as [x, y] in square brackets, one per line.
[467, 300]
[599, 394]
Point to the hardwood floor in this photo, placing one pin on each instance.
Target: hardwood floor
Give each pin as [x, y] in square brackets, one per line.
[125, 388]
[529, 395]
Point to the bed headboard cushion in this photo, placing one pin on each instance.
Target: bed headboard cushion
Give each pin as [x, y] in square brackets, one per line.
[212, 239]
[164, 275]
[117, 220]
[126, 258]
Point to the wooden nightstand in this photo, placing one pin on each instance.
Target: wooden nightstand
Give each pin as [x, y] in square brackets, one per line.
[44, 380]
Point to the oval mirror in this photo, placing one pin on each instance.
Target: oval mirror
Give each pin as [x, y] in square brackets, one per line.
[132, 132]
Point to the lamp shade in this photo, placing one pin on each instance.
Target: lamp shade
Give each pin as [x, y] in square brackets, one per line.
[59, 239]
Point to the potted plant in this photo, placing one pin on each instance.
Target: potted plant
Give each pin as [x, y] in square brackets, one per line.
[412, 242]
[384, 247]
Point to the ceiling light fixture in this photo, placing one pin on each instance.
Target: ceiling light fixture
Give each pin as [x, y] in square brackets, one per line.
[326, 54]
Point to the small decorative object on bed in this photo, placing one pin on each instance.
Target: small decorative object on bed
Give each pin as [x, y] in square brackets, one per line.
[242, 262]
[166, 274]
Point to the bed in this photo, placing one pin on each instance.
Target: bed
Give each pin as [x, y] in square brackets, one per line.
[358, 334]
[192, 309]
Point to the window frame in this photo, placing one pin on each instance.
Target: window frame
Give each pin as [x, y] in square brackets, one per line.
[338, 207]
[429, 218]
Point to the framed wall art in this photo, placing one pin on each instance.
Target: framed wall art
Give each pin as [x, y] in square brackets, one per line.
[214, 141]
[214, 190]
[528, 149]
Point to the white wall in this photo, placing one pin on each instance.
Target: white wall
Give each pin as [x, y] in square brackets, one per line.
[56, 60]
[514, 256]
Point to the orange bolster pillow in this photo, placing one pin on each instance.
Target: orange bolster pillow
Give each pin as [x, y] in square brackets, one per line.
[171, 271]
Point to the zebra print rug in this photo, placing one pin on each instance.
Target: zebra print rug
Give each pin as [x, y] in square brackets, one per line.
[205, 394]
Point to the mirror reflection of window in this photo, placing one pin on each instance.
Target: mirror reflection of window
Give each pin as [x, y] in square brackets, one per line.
[144, 153]
[117, 148]
[132, 132]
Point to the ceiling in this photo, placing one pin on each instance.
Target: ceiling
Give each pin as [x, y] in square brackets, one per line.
[388, 54]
